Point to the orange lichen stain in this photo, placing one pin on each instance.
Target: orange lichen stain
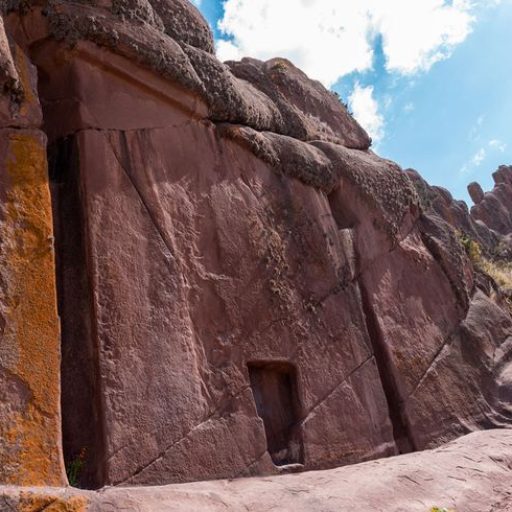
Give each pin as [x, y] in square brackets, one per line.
[32, 325]
[30, 502]
[22, 66]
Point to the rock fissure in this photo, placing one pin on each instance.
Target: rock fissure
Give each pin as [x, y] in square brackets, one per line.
[402, 432]
[83, 408]
[431, 364]
[334, 388]
[129, 175]
[160, 456]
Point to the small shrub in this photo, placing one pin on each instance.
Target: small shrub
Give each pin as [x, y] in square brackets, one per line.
[75, 467]
[472, 249]
[499, 271]
[279, 66]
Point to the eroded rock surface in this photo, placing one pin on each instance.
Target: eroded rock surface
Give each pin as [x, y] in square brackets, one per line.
[494, 208]
[244, 287]
[30, 437]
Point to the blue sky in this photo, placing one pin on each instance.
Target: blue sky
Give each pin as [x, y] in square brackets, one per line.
[431, 80]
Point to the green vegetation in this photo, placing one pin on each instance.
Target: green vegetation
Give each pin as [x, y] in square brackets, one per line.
[75, 467]
[499, 271]
[472, 248]
[279, 66]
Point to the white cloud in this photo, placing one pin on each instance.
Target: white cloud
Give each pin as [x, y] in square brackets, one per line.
[474, 132]
[479, 157]
[417, 34]
[326, 38]
[366, 111]
[475, 161]
[498, 144]
[226, 50]
[331, 38]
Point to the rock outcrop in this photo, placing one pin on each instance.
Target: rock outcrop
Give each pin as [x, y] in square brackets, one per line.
[475, 192]
[244, 287]
[494, 208]
[30, 439]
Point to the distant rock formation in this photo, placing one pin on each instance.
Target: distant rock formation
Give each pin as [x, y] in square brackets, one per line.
[243, 286]
[494, 208]
[475, 192]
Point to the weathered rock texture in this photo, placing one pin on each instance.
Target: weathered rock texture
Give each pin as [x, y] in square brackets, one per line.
[471, 474]
[244, 287]
[30, 436]
[495, 208]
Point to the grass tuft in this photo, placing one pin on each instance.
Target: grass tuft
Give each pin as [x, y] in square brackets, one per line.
[500, 271]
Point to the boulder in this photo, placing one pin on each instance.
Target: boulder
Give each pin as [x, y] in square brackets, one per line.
[475, 192]
[495, 208]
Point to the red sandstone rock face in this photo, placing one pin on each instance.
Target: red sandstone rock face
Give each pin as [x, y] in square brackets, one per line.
[213, 293]
[242, 283]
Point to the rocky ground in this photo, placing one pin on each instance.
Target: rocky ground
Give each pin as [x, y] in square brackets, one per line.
[472, 474]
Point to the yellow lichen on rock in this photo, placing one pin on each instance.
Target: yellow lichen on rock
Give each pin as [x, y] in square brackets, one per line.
[30, 502]
[30, 452]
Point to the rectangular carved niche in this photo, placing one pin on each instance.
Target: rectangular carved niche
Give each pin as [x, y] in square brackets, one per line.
[274, 386]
